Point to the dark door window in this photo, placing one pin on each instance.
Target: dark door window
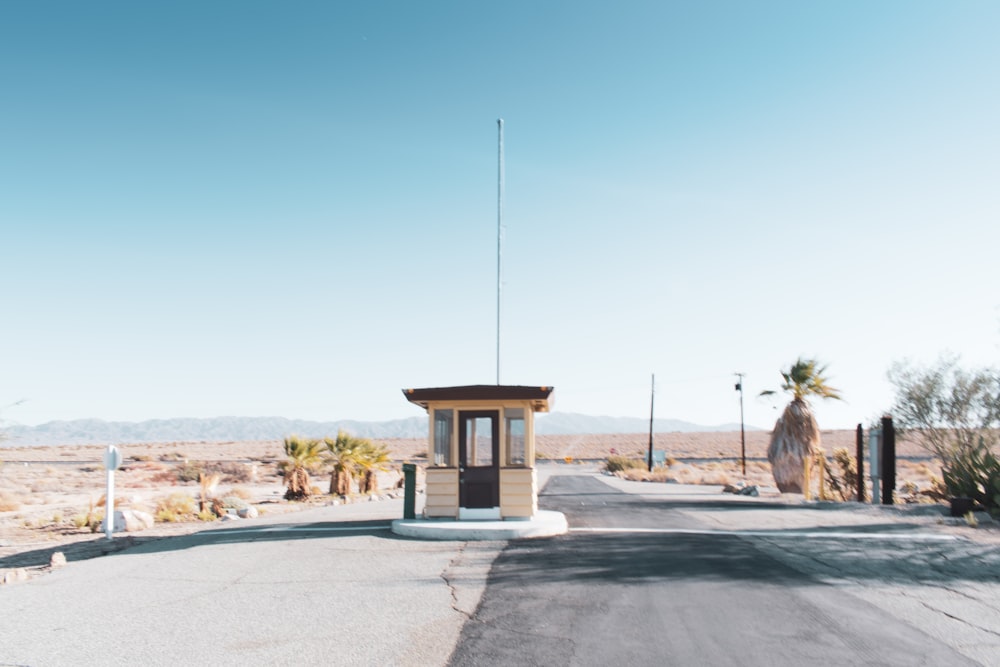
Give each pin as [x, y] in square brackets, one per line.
[479, 459]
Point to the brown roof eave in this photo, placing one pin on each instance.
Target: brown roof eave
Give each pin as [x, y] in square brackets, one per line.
[540, 397]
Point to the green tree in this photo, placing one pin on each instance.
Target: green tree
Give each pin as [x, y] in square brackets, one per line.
[796, 434]
[344, 451]
[371, 459]
[955, 414]
[302, 455]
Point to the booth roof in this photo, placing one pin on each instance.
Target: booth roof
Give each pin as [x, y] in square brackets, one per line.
[539, 396]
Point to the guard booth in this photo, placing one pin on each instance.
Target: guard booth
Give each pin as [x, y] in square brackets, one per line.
[481, 453]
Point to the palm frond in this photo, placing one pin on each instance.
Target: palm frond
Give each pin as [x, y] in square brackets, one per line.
[806, 378]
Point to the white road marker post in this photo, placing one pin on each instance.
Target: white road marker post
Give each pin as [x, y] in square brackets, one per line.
[112, 459]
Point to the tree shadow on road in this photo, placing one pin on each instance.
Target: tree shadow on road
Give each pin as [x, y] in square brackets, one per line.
[138, 543]
[638, 558]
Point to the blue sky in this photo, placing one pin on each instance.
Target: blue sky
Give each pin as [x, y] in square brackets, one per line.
[256, 208]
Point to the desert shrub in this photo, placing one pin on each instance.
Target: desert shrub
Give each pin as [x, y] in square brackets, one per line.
[714, 478]
[207, 515]
[234, 503]
[618, 463]
[190, 471]
[173, 456]
[9, 502]
[842, 478]
[975, 474]
[167, 476]
[239, 492]
[81, 520]
[176, 507]
[955, 414]
[141, 457]
[937, 490]
[230, 472]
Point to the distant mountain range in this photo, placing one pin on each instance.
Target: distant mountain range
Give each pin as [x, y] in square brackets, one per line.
[235, 429]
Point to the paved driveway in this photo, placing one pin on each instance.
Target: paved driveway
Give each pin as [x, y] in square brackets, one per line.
[306, 589]
[652, 580]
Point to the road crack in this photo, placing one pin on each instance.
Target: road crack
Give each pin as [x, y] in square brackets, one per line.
[447, 575]
[953, 617]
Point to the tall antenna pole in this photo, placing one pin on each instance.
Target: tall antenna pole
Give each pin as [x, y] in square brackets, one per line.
[499, 233]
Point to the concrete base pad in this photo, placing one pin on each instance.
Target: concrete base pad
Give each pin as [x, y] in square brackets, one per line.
[543, 524]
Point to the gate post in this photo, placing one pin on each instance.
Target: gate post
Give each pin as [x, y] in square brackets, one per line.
[888, 460]
[409, 491]
[860, 457]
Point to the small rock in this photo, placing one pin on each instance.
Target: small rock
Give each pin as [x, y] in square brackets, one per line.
[131, 521]
[229, 517]
[247, 513]
[58, 560]
[18, 574]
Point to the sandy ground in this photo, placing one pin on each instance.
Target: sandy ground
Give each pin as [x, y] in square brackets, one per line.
[46, 492]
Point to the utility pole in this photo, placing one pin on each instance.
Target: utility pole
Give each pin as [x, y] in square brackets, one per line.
[652, 393]
[743, 437]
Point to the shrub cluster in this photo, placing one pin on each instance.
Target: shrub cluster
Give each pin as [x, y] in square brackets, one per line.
[231, 472]
[619, 463]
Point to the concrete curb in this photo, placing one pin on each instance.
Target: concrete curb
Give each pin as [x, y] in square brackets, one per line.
[543, 524]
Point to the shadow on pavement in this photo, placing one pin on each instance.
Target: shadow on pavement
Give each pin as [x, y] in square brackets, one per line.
[137, 543]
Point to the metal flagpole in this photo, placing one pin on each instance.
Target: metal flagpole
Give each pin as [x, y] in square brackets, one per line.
[499, 233]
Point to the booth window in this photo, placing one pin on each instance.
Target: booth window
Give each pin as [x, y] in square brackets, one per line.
[443, 420]
[515, 436]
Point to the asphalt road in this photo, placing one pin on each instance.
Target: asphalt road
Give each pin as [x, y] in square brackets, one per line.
[636, 596]
[329, 586]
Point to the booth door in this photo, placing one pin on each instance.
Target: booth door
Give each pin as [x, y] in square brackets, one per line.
[479, 459]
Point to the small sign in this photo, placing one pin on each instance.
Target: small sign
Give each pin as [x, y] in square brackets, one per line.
[112, 458]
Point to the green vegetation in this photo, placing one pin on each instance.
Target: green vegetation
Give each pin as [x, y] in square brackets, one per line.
[955, 414]
[795, 439]
[371, 459]
[302, 455]
[177, 506]
[343, 453]
[622, 463]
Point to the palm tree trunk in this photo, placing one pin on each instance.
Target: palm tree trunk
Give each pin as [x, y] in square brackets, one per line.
[340, 482]
[794, 439]
[371, 481]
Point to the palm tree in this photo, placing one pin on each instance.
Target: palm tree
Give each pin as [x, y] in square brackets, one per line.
[303, 454]
[370, 460]
[343, 454]
[796, 434]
